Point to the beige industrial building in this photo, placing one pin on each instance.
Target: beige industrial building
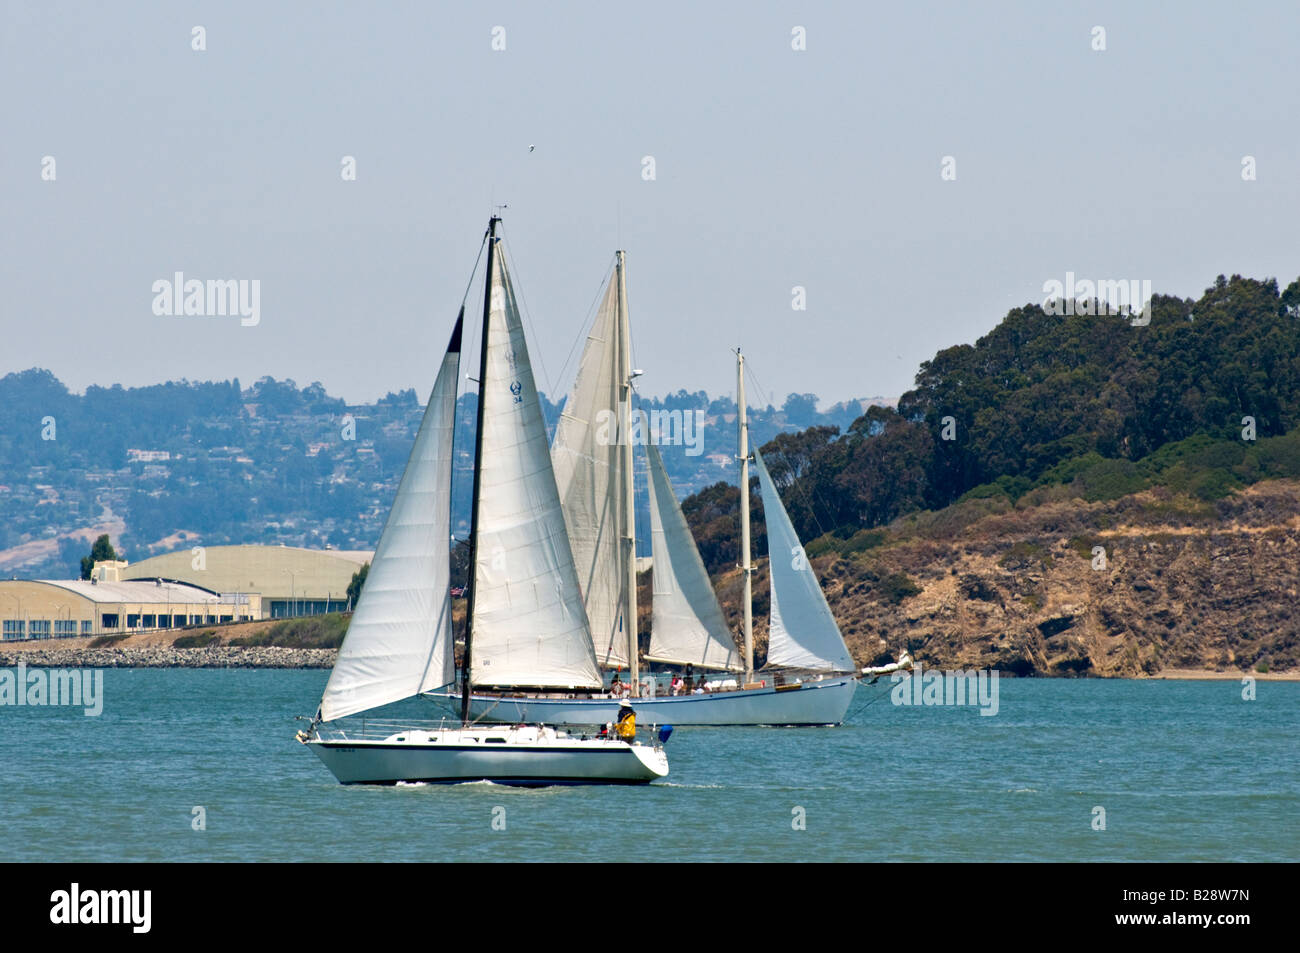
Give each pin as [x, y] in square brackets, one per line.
[289, 581]
[199, 586]
[54, 609]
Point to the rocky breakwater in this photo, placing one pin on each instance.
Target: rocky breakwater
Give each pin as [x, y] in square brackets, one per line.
[167, 656]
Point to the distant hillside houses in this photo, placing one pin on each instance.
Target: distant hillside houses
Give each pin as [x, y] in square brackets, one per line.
[270, 463]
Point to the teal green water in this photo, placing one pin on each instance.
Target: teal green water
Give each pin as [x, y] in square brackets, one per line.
[1184, 771]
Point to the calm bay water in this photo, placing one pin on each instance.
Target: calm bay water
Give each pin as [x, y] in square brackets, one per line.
[1185, 771]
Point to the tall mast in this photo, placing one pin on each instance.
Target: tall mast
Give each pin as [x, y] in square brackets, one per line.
[629, 488]
[478, 449]
[746, 567]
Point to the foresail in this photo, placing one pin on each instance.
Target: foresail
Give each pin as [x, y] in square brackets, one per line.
[399, 641]
[687, 624]
[802, 633]
[529, 625]
[588, 464]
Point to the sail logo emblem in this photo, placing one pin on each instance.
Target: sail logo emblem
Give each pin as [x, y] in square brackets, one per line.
[517, 388]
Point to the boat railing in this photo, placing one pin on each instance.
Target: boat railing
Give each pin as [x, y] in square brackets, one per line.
[371, 729]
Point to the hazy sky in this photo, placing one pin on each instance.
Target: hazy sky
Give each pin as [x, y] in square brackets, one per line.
[774, 168]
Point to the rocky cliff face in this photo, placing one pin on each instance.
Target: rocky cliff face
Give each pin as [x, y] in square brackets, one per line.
[1130, 587]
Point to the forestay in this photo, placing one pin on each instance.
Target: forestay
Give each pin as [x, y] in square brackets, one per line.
[687, 624]
[399, 642]
[802, 632]
[529, 625]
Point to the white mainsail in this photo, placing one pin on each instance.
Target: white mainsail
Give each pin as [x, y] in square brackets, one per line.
[802, 632]
[687, 624]
[399, 642]
[529, 625]
[589, 464]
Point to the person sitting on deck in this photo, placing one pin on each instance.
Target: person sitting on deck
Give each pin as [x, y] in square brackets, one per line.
[616, 686]
[626, 726]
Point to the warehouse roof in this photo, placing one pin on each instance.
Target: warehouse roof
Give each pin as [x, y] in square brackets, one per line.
[138, 592]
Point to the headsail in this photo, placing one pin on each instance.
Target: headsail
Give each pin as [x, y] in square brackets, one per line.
[589, 462]
[529, 625]
[803, 633]
[399, 642]
[687, 624]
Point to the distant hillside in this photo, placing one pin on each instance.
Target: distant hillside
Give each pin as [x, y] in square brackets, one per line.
[966, 523]
[1201, 399]
[188, 463]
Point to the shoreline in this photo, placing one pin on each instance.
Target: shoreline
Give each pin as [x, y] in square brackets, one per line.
[1209, 675]
[159, 653]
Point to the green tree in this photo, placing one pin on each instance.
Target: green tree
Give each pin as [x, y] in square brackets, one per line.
[101, 551]
[358, 580]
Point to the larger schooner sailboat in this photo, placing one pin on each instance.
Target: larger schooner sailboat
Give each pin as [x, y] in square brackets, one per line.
[526, 617]
[810, 676]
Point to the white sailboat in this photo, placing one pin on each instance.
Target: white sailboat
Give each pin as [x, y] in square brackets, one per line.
[810, 676]
[526, 622]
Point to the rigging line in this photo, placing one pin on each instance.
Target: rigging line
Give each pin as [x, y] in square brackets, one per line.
[637, 495]
[631, 335]
[586, 321]
[867, 704]
[470, 284]
[472, 337]
[807, 499]
[550, 391]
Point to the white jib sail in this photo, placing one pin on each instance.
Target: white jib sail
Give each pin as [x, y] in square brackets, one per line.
[687, 624]
[588, 460]
[529, 625]
[399, 642]
[802, 633]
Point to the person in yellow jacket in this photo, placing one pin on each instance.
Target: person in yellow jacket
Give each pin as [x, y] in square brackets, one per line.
[625, 727]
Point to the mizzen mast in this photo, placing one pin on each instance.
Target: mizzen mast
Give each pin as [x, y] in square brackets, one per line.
[746, 567]
[629, 488]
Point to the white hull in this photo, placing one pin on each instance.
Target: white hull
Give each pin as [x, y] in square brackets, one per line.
[823, 702]
[518, 756]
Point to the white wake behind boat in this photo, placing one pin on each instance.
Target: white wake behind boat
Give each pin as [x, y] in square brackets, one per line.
[525, 608]
[810, 676]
